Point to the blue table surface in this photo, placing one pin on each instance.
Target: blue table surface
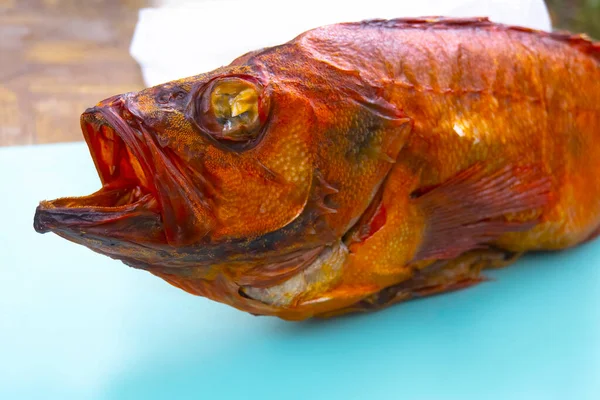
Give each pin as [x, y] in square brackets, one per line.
[77, 325]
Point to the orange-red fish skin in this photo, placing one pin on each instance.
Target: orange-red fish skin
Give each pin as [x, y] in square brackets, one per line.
[423, 150]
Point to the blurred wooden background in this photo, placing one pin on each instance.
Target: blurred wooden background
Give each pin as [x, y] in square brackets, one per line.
[58, 57]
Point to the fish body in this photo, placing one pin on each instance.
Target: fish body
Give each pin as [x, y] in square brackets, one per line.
[356, 166]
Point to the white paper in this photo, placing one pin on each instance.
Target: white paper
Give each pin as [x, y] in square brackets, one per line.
[182, 39]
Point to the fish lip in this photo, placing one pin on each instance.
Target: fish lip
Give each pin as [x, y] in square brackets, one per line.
[120, 159]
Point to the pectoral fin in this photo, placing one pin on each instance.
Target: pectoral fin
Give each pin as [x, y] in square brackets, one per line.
[474, 207]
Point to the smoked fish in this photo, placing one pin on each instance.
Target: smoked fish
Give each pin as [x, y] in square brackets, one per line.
[356, 166]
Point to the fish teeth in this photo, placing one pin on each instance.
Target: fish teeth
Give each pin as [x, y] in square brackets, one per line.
[108, 132]
[137, 168]
[110, 148]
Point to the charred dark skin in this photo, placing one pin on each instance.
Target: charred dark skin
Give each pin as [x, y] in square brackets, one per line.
[357, 166]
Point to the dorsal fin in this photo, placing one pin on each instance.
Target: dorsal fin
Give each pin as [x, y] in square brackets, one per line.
[580, 41]
[425, 22]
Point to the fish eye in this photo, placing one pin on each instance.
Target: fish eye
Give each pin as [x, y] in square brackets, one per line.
[232, 109]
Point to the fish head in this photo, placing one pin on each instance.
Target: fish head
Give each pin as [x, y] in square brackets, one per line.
[238, 178]
[208, 154]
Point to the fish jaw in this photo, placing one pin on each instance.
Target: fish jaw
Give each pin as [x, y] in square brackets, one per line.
[126, 206]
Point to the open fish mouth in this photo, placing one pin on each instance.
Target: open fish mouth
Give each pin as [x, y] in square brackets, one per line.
[121, 162]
